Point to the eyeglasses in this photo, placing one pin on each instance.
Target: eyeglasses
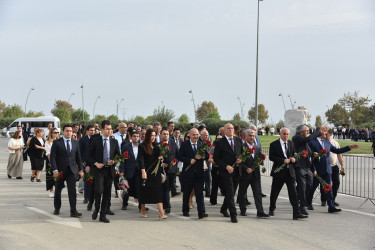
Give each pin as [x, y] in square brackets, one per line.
[55, 132]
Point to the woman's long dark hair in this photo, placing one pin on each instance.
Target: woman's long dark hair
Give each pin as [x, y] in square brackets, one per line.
[147, 142]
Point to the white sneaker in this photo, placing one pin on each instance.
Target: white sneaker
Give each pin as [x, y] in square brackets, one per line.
[119, 194]
[51, 194]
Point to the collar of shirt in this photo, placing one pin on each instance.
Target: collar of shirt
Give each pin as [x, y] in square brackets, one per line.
[283, 147]
[229, 139]
[192, 143]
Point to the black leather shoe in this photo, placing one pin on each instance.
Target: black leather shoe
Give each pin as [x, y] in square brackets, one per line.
[225, 213]
[75, 214]
[304, 212]
[336, 204]
[124, 207]
[271, 212]
[233, 218]
[243, 214]
[310, 207]
[85, 201]
[103, 219]
[56, 212]
[264, 195]
[167, 210]
[201, 216]
[213, 203]
[175, 194]
[186, 214]
[262, 215]
[323, 204]
[248, 203]
[95, 214]
[334, 210]
[20, 178]
[208, 195]
[89, 206]
[10, 177]
[299, 216]
[110, 212]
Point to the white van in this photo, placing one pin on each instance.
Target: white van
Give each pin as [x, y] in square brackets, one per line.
[34, 122]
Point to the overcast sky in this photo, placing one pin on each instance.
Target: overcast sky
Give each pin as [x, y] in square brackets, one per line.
[151, 52]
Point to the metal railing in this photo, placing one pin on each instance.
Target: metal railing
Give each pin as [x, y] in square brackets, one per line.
[359, 179]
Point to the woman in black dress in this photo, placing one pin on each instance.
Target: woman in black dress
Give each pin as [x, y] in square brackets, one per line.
[151, 186]
[36, 153]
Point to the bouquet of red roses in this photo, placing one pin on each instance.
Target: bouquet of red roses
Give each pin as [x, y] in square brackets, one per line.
[88, 178]
[295, 156]
[342, 172]
[326, 187]
[259, 161]
[59, 177]
[122, 157]
[246, 153]
[322, 153]
[200, 151]
[163, 146]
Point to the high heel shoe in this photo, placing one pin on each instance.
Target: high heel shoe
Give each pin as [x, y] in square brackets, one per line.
[163, 216]
[144, 215]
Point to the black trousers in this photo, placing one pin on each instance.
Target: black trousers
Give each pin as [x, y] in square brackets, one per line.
[207, 179]
[172, 181]
[335, 184]
[188, 184]
[165, 193]
[103, 186]
[216, 184]
[244, 182]
[277, 183]
[230, 183]
[71, 180]
[304, 178]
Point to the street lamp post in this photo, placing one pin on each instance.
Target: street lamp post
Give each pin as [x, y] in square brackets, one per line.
[71, 96]
[27, 98]
[282, 98]
[83, 106]
[118, 105]
[256, 74]
[291, 102]
[241, 104]
[93, 111]
[195, 110]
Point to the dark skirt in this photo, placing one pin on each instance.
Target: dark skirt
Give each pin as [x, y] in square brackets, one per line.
[151, 190]
[37, 163]
[50, 182]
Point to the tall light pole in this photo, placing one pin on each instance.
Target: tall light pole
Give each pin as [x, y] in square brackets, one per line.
[291, 102]
[241, 104]
[118, 105]
[93, 111]
[256, 74]
[70, 96]
[282, 98]
[27, 98]
[83, 106]
[195, 110]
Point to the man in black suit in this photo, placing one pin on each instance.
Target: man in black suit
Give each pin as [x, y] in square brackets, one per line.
[193, 177]
[251, 176]
[65, 158]
[226, 154]
[84, 148]
[303, 166]
[282, 152]
[102, 151]
[176, 138]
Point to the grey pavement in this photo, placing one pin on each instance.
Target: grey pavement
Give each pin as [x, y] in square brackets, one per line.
[27, 222]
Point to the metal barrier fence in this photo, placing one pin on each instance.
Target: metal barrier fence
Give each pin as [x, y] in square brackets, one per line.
[359, 179]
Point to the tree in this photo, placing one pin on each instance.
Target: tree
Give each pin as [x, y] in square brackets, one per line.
[77, 115]
[262, 114]
[280, 124]
[62, 104]
[236, 117]
[356, 106]
[337, 115]
[150, 118]
[63, 114]
[204, 109]
[139, 118]
[308, 116]
[2, 107]
[163, 115]
[184, 118]
[14, 111]
[113, 119]
[99, 118]
[318, 121]
[213, 115]
[34, 114]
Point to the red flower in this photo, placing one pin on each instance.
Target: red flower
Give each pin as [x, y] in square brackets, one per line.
[181, 140]
[61, 175]
[248, 148]
[263, 156]
[253, 148]
[123, 155]
[208, 143]
[126, 154]
[170, 148]
[209, 153]
[342, 172]
[89, 181]
[304, 153]
[175, 160]
[323, 151]
[165, 144]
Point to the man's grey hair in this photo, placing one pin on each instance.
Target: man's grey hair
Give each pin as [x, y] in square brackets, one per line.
[301, 128]
[253, 127]
[204, 131]
[284, 128]
[248, 131]
[156, 124]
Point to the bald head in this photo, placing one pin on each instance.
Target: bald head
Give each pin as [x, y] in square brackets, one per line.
[229, 130]
[122, 128]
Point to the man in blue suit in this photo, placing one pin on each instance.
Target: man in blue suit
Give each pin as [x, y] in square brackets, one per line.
[193, 178]
[322, 166]
[129, 169]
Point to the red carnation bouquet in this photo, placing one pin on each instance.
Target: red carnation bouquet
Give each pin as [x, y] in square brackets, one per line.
[295, 156]
[326, 187]
[88, 178]
[246, 153]
[200, 151]
[59, 177]
[122, 157]
[259, 160]
[163, 146]
[342, 172]
[322, 153]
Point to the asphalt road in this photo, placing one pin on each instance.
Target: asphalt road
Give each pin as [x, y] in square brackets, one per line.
[27, 222]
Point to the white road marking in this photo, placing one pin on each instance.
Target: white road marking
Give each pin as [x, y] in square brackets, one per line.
[70, 222]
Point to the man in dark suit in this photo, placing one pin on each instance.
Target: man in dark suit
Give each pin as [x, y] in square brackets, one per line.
[322, 166]
[193, 177]
[65, 157]
[303, 166]
[173, 170]
[282, 152]
[102, 151]
[84, 148]
[251, 176]
[92, 171]
[257, 143]
[129, 169]
[226, 154]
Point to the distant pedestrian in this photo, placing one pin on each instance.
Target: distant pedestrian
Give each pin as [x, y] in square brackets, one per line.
[15, 162]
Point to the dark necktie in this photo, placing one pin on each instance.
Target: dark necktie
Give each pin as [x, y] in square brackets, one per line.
[286, 149]
[231, 144]
[105, 151]
[68, 146]
[195, 148]
[122, 137]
